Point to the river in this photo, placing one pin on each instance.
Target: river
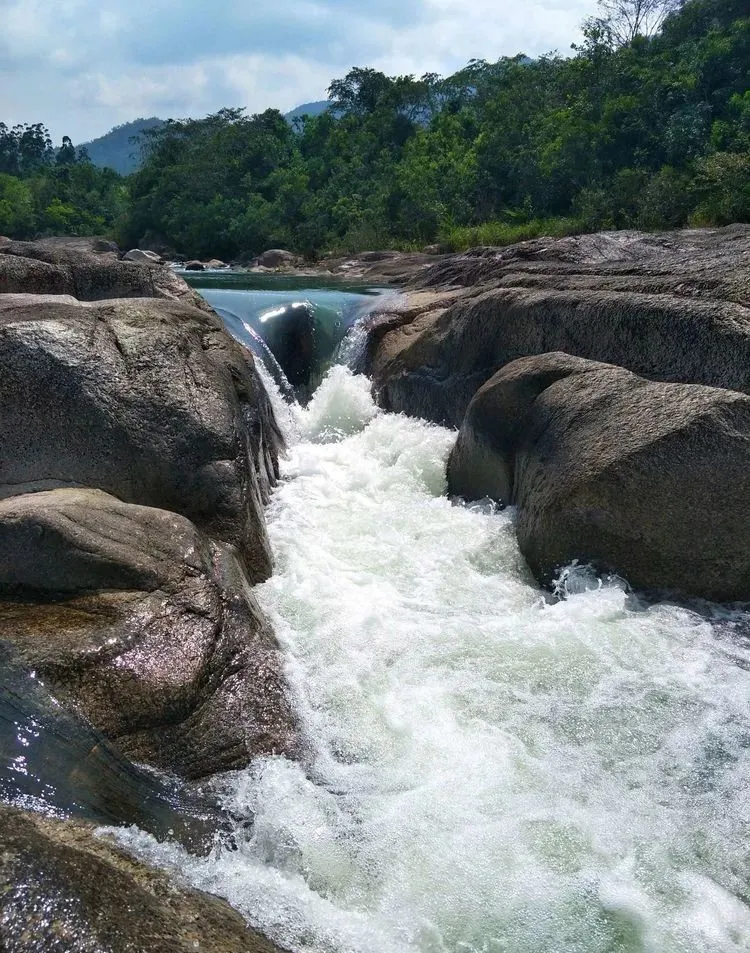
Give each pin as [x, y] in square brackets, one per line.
[490, 769]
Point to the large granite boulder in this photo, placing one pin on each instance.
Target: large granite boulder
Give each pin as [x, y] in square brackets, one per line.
[144, 626]
[66, 889]
[646, 479]
[671, 307]
[149, 400]
[276, 258]
[87, 269]
[52, 759]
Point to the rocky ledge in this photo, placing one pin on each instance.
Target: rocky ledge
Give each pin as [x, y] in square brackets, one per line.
[139, 449]
[66, 889]
[599, 386]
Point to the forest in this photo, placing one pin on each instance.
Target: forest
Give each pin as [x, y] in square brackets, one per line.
[54, 191]
[645, 124]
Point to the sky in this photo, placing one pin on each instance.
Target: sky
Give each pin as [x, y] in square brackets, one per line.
[83, 66]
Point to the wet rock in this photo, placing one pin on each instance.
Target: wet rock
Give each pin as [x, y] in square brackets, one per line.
[148, 400]
[672, 307]
[66, 889]
[650, 480]
[291, 335]
[139, 254]
[144, 626]
[53, 760]
[194, 266]
[87, 269]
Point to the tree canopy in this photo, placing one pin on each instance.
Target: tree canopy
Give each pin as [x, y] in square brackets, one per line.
[49, 191]
[645, 124]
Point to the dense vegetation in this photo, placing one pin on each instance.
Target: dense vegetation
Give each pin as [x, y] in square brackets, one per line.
[48, 191]
[646, 124]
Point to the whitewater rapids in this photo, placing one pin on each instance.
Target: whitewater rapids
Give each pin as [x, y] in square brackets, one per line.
[490, 770]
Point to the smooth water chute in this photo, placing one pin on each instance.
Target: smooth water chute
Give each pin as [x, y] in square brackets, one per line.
[302, 329]
[246, 335]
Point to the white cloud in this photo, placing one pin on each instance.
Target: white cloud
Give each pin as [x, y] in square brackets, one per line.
[82, 66]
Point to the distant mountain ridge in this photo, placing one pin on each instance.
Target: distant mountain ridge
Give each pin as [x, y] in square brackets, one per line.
[117, 151]
[308, 109]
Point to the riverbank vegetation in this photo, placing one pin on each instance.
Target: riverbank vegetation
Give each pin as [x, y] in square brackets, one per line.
[54, 191]
[646, 124]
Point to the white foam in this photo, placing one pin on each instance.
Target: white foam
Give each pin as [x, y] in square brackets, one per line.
[492, 770]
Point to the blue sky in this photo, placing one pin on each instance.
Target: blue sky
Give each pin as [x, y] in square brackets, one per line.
[82, 66]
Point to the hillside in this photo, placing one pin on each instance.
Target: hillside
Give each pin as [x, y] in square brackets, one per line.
[116, 149]
[308, 109]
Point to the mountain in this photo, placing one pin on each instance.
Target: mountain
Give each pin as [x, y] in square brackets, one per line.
[116, 150]
[308, 109]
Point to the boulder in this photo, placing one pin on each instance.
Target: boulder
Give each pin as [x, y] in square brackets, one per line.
[144, 626]
[194, 266]
[276, 258]
[215, 263]
[54, 760]
[65, 888]
[139, 254]
[647, 479]
[87, 269]
[672, 307]
[148, 400]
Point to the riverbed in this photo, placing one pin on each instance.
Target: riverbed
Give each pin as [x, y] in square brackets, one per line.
[489, 767]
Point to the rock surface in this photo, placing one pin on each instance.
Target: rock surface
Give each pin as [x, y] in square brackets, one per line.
[650, 480]
[672, 307]
[276, 258]
[87, 269]
[138, 449]
[149, 400]
[143, 255]
[52, 758]
[66, 889]
[144, 626]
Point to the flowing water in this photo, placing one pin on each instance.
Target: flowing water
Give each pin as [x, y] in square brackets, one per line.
[490, 769]
[245, 302]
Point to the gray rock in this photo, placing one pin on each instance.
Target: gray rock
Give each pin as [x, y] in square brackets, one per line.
[144, 626]
[87, 269]
[650, 480]
[672, 307]
[275, 258]
[194, 266]
[139, 254]
[148, 400]
[66, 889]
